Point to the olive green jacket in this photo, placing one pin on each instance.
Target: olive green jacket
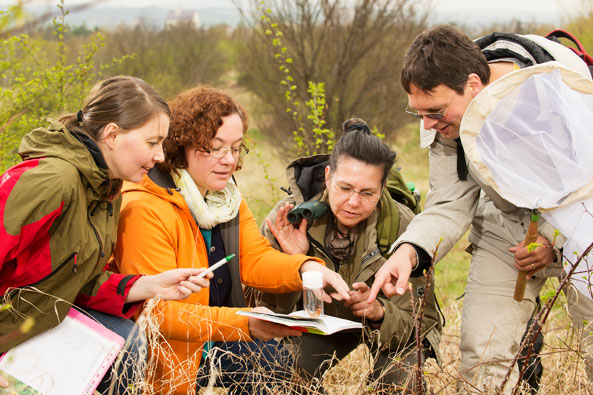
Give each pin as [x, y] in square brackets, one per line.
[397, 328]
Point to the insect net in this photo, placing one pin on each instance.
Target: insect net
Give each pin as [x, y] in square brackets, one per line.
[529, 135]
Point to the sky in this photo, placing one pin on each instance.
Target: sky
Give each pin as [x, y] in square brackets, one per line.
[553, 11]
[469, 12]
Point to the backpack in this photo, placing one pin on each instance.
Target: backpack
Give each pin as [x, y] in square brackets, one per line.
[531, 49]
[388, 221]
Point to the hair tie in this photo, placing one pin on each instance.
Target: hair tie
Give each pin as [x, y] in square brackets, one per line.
[79, 116]
[364, 128]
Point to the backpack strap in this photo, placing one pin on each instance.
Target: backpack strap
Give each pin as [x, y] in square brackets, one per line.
[387, 223]
[531, 49]
[499, 46]
[579, 50]
[555, 35]
[399, 190]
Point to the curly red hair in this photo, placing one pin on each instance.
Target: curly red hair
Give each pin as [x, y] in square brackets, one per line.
[196, 116]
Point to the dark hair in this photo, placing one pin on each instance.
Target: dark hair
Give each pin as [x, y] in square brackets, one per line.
[358, 143]
[196, 116]
[126, 101]
[442, 55]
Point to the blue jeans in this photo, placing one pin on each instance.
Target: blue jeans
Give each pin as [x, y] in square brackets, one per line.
[247, 367]
[132, 365]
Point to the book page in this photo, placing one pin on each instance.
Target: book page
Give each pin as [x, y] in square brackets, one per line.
[300, 320]
[283, 319]
[71, 358]
[330, 324]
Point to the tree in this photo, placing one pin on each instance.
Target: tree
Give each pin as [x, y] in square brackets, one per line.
[39, 78]
[354, 48]
[173, 58]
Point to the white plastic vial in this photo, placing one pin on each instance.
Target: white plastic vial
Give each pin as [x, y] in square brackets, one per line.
[313, 293]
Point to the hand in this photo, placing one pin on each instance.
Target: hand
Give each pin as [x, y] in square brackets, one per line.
[3, 382]
[292, 240]
[264, 330]
[532, 262]
[359, 306]
[330, 278]
[393, 276]
[173, 284]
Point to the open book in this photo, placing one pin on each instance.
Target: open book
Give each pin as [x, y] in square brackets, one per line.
[301, 321]
[71, 358]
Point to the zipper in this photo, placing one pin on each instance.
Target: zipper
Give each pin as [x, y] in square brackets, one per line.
[368, 259]
[75, 265]
[370, 255]
[101, 252]
[61, 265]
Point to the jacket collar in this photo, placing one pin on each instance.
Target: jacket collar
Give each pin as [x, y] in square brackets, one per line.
[161, 178]
[160, 184]
[306, 176]
[56, 141]
[92, 147]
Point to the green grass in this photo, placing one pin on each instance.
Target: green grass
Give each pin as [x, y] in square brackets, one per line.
[451, 272]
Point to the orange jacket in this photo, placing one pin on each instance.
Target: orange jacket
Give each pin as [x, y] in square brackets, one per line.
[157, 233]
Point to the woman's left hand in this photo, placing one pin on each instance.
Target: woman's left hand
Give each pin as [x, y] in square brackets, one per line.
[173, 284]
[359, 306]
[330, 278]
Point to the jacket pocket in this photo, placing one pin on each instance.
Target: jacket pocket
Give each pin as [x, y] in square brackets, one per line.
[72, 258]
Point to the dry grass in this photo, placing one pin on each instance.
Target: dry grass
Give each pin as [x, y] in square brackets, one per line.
[563, 370]
[259, 181]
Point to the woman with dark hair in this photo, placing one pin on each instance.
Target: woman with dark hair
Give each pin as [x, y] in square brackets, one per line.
[352, 181]
[188, 212]
[59, 212]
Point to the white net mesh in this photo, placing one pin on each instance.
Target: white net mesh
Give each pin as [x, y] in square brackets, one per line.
[537, 142]
[530, 136]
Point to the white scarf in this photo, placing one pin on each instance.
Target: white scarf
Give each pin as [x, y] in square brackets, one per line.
[215, 208]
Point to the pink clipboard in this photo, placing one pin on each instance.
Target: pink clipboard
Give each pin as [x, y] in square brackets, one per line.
[108, 345]
[108, 334]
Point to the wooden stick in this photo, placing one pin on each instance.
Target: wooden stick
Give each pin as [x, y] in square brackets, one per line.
[530, 237]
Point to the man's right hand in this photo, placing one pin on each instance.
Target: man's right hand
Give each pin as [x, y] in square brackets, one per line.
[264, 330]
[393, 276]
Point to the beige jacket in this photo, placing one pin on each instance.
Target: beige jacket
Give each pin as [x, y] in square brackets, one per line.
[453, 205]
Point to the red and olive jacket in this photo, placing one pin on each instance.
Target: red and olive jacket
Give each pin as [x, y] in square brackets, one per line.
[57, 231]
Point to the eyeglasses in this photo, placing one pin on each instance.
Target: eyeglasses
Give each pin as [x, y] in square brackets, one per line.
[367, 196]
[433, 115]
[218, 153]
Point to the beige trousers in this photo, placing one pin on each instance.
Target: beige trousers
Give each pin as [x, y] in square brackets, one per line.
[493, 323]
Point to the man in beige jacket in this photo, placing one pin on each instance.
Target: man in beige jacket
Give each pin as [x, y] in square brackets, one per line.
[443, 71]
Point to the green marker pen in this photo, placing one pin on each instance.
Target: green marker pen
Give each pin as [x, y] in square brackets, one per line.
[216, 265]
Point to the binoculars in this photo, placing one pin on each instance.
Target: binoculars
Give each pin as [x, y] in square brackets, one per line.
[307, 210]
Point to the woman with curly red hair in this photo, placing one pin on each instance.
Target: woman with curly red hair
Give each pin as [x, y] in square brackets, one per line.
[188, 212]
